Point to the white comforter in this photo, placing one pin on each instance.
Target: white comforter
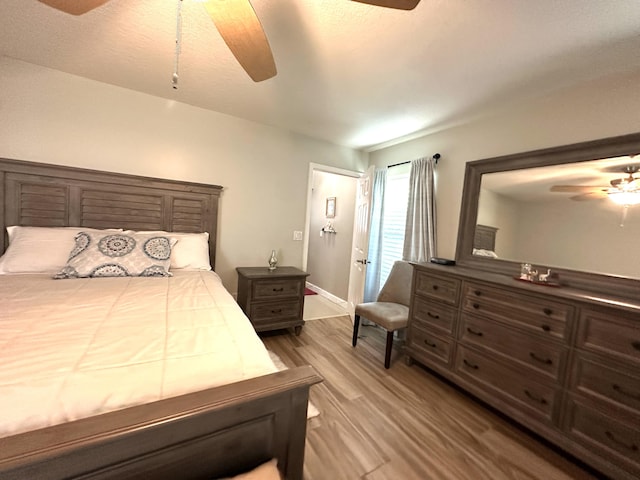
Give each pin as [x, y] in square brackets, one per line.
[74, 348]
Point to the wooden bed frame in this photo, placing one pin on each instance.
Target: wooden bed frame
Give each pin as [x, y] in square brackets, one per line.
[212, 433]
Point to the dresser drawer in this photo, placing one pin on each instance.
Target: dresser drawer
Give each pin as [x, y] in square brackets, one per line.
[611, 333]
[432, 314]
[517, 384]
[441, 288]
[593, 377]
[617, 439]
[432, 346]
[266, 312]
[545, 357]
[269, 289]
[545, 317]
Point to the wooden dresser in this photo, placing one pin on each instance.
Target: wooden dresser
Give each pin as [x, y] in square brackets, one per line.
[562, 362]
[272, 299]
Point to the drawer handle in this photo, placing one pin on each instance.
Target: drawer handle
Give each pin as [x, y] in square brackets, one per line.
[547, 311]
[430, 344]
[281, 289]
[469, 364]
[277, 311]
[546, 328]
[429, 314]
[435, 287]
[621, 390]
[636, 345]
[477, 293]
[612, 437]
[476, 306]
[535, 398]
[473, 332]
[546, 361]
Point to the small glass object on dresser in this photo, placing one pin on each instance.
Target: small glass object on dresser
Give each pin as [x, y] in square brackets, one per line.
[273, 261]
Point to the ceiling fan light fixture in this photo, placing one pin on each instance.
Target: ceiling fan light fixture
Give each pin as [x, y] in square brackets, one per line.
[622, 197]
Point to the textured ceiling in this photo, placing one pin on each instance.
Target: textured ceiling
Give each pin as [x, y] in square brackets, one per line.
[348, 73]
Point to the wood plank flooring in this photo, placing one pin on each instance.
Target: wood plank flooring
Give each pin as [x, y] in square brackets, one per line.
[403, 423]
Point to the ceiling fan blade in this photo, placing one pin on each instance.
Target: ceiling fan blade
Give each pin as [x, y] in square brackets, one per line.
[74, 7]
[589, 196]
[576, 188]
[240, 28]
[398, 4]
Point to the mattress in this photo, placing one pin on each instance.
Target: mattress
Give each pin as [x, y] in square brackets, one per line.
[75, 348]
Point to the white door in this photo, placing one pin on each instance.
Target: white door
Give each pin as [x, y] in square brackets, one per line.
[360, 241]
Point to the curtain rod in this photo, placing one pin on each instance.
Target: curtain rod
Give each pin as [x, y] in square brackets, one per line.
[435, 155]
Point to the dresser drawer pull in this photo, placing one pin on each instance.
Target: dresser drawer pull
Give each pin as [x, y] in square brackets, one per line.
[612, 437]
[547, 311]
[546, 361]
[430, 344]
[431, 315]
[621, 390]
[546, 328]
[636, 345]
[535, 398]
[477, 293]
[279, 310]
[469, 364]
[473, 332]
[476, 306]
[281, 289]
[435, 287]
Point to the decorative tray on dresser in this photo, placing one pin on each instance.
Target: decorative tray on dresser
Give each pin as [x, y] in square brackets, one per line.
[564, 363]
[272, 299]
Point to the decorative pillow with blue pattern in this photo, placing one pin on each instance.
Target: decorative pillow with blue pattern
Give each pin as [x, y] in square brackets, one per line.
[125, 254]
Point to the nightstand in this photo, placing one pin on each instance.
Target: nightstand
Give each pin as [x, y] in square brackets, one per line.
[272, 299]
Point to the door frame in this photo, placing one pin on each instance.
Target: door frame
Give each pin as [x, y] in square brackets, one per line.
[317, 167]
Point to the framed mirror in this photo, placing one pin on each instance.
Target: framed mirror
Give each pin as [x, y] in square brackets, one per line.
[573, 209]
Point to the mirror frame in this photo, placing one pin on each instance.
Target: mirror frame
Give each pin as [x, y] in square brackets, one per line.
[579, 152]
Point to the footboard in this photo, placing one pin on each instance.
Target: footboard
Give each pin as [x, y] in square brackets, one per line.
[208, 434]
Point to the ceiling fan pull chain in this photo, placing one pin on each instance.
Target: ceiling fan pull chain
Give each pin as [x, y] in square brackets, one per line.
[174, 78]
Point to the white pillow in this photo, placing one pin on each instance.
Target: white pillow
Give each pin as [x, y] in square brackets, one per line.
[118, 254]
[190, 253]
[40, 249]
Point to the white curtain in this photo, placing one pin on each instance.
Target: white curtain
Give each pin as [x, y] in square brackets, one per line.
[372, 278]
[420, 235]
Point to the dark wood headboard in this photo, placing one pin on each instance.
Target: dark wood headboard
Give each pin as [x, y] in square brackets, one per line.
[42, 195]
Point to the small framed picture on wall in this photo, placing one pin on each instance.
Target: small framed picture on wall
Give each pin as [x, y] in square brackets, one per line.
[331, 207]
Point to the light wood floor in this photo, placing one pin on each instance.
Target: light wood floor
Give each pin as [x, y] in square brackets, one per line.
[402, 423]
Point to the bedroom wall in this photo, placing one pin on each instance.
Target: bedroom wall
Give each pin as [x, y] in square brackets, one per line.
[53, 117]
[500, 212]
[601, 108]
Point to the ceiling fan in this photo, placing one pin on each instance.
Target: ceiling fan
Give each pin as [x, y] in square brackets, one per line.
[238, 25]
[620, 190]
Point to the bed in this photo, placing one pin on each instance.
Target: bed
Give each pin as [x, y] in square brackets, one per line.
[219, 429]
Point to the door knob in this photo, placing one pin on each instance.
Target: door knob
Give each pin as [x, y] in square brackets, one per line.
[364, 261]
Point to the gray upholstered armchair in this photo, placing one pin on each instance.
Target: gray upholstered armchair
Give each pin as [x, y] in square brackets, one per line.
[391, 309]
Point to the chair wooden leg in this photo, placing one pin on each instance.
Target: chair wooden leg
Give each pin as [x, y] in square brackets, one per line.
[387, 353]
[356, 325]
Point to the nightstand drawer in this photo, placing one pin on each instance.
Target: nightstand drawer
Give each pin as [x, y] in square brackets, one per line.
[269, 311]
[269, 289]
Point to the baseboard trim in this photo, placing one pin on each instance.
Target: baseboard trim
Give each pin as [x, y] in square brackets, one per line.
[329, 296]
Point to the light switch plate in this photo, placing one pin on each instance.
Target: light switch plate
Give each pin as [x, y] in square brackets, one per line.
[297, 235]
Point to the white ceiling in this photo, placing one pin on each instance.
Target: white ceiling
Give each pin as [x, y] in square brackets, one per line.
[348, 73]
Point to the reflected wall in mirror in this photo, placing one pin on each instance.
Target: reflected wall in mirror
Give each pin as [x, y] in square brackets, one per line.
[557, 209]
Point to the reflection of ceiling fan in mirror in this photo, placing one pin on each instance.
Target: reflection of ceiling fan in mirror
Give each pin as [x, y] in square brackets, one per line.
[625, 191]
[238, 25]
